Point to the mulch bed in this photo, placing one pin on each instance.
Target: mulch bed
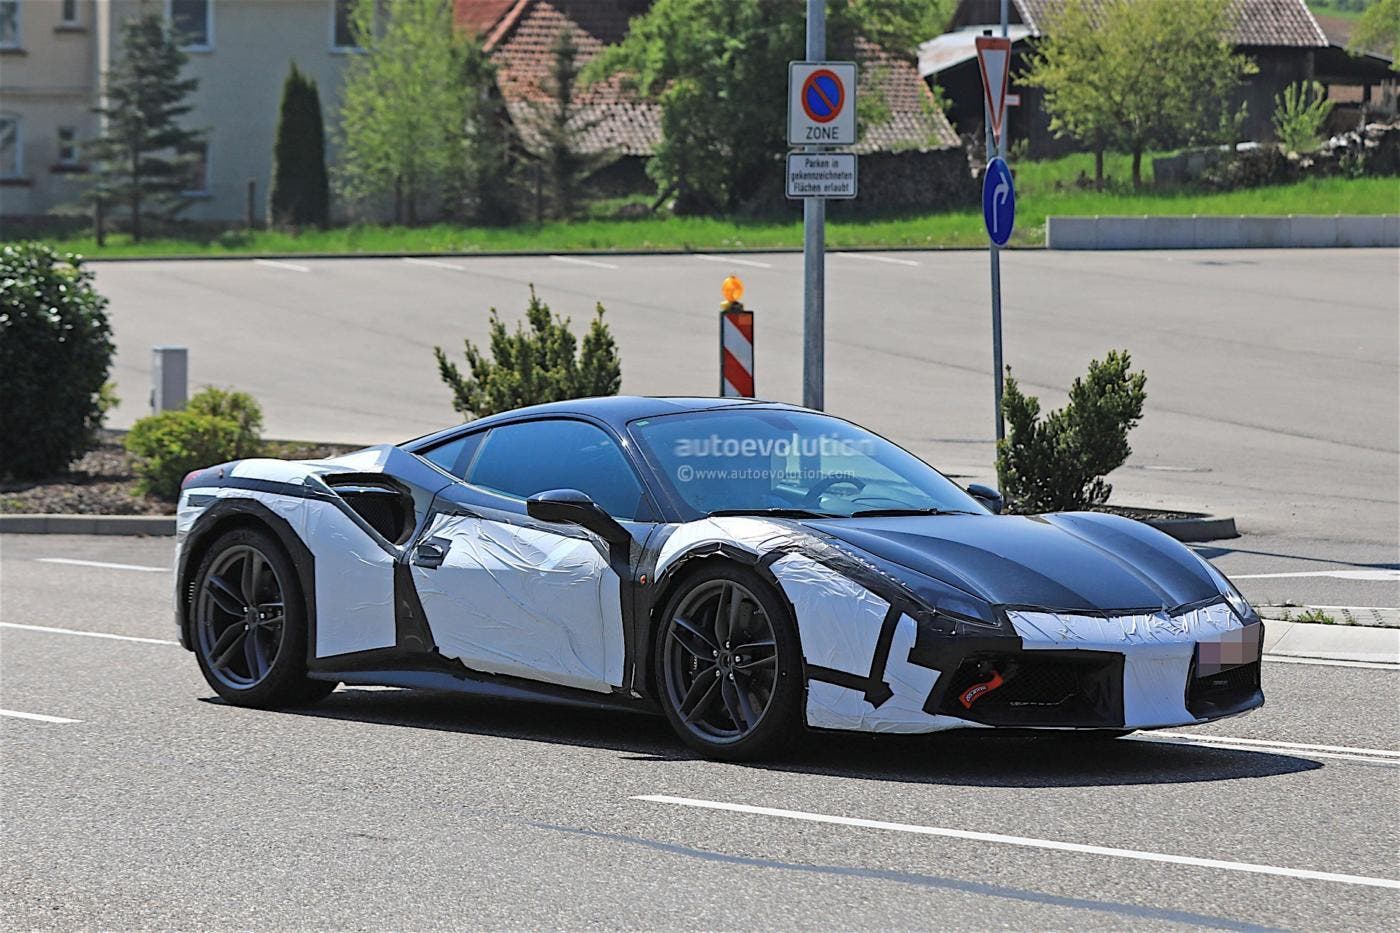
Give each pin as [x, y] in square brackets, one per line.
[102, 481]
[1147, 515]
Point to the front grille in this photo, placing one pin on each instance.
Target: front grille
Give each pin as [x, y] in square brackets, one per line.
[1228, 691]
[1041, 688]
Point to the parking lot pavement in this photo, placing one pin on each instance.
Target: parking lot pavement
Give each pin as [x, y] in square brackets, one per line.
[157, 806]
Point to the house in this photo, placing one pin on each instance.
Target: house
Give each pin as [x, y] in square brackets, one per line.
[903, 157]
[1282, 37]
[53, 56]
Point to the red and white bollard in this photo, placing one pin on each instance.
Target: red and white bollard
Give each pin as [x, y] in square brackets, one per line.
[735, 342]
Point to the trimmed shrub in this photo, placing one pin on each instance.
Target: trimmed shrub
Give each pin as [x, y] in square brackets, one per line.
[1059, 463]
[300, 192]
[240, 408]
[55, 352]
[535, 366]
[172, 443]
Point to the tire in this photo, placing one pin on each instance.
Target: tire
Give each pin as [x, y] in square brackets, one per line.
[728, 705]
[248, 651]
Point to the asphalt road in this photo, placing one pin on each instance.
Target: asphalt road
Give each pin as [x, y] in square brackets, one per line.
[1273, 375]
[160, 807]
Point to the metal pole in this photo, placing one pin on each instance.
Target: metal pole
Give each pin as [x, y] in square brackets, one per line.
[814, 249]
[998, 366]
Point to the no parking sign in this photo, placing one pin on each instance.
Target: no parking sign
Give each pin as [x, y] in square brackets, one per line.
[821, 103]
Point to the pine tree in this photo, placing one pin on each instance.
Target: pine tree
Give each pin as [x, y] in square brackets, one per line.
[144, 156]
[554, 130]
[300, 194]
[491, 147]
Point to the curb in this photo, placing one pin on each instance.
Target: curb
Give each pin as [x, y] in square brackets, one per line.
[162, 525]
[1205, 528]
[1332, 642]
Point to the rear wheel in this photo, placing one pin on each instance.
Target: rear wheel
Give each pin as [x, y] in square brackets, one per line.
[249, 623]
[729, 666]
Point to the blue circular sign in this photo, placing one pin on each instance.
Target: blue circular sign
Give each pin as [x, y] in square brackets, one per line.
[998, 201]
[822, 96]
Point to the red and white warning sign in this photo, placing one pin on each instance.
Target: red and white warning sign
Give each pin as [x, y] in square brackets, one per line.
[736, 353]
[994, 55]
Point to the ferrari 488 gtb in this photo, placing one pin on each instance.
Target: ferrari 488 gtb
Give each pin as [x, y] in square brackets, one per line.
[748, 569]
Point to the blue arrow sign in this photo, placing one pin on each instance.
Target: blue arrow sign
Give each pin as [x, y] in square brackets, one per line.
[998, 201]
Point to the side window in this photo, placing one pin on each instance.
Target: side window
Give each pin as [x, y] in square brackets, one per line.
[456, 455]
[521, 460]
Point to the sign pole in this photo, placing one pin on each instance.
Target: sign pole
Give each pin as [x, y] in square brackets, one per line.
[993, 152]
[814, 249]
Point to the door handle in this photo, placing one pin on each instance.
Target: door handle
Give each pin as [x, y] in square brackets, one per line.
[431, 553]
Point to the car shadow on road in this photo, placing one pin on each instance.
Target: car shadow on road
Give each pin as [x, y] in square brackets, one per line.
[956, 758]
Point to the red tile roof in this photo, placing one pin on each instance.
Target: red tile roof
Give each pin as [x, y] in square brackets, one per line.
[521, 39]
[1261, 22]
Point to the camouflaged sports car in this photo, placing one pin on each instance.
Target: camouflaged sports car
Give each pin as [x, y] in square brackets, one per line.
[748, 569]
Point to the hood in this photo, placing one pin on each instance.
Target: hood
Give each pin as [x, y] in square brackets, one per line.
[1082, 561]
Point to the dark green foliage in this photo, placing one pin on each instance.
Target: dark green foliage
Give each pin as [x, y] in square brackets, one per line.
[535, 366]
[300, 194]
[491, 146]
[55, 351]
[172, 443]
[240, 408]
[718, 69]
[144, 158]
[1059, 463]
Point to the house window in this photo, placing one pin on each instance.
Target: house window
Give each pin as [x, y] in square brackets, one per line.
[9, 24]
[11, 149]
[342, 32]
[70, 12]
[198, 171]
[67, 146]
[193, 22]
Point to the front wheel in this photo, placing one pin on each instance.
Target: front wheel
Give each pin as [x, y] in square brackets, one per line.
[729, 665]
[249, 623]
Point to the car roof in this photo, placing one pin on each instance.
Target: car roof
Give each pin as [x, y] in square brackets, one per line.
[614, 410]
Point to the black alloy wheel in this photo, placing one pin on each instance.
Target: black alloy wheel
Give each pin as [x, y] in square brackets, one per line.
[249, 623]
[729, 665]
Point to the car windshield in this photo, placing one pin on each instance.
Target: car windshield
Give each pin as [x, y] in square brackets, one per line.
[765, 461]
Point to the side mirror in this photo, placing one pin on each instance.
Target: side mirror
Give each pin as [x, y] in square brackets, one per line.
[987, 496]
[571, 507]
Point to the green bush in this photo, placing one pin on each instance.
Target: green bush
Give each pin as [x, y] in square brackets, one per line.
[172, 443]
[55, 351]
[535, 366]
[240, 408]
[1059, 463]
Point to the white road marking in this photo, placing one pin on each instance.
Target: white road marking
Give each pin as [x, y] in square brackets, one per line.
[434, 263]
[101, 563]
[289, 266]
[1234, 740]
[72, 631]
[873, 258]
[1246, 745]
[37, 717]
[1333, 662]
[1030, 843]
[730, 259]
[1388, 576]
[584, 262]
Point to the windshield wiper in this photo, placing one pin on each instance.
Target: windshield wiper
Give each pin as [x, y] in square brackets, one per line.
[876, 513]
[776, 513]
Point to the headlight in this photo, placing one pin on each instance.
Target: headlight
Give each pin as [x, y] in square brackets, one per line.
[1238, 604]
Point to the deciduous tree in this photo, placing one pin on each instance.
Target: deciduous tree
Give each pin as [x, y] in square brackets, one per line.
[718, 69]
[403, 104]
[1133, 74]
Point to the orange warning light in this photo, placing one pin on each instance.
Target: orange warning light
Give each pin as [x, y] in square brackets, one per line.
[732, 289]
